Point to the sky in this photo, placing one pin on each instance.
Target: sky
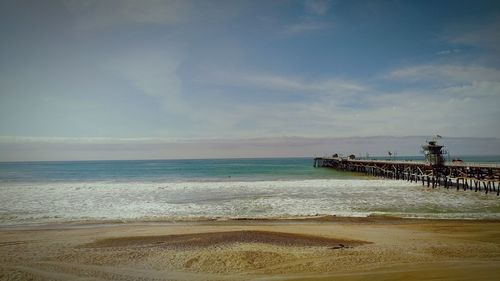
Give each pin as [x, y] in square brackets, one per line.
[242, 74]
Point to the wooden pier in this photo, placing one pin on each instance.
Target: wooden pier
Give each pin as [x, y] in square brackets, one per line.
[434, 172]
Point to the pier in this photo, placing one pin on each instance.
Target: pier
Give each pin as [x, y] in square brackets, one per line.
[433, 172]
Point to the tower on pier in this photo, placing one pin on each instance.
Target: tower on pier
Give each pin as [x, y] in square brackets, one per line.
[434, 152]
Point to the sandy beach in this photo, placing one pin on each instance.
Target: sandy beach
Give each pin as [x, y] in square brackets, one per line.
[322, 248]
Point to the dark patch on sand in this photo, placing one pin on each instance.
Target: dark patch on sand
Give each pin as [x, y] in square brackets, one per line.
[203, 240]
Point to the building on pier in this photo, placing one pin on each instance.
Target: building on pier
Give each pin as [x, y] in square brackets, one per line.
[433, 152]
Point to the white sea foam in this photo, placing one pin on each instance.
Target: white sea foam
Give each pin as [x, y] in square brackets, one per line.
[49, 202]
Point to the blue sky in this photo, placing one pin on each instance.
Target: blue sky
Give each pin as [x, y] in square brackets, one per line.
[176, 71]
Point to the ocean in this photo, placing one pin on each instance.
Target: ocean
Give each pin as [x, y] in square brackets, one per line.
[157, 190]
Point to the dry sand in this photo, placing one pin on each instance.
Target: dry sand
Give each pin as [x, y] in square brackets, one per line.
[312, 249]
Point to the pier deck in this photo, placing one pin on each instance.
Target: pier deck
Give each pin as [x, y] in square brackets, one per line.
[467, 176]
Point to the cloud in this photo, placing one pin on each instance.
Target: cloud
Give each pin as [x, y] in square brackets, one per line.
[306, 26]
[312, 20]
[276, 82]
[447, 98]
[317, 7]
[152, 72]
[90, 14]
[448, 52]
[460, 98]
[271, 105]
[451, 80]
[446, 73]
[484, 34]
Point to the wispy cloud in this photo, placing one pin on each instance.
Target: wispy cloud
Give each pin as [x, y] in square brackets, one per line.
[90, 14]
[448, 52]
[449, 98]
[305, 26]
[446, 73]
[285, 83]
[317, 7]
[484, 34]
[152, 72]
[312, 20]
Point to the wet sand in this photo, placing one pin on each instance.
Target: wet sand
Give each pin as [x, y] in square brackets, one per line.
[325, 248]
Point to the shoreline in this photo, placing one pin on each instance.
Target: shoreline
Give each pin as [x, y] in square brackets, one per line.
[313, 248]
[374, 218]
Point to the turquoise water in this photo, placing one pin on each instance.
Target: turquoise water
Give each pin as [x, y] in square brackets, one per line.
[166, 170]
[48, 192]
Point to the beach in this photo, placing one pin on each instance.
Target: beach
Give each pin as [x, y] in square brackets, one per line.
[314, 248]
[237, 219]
[302, 140]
